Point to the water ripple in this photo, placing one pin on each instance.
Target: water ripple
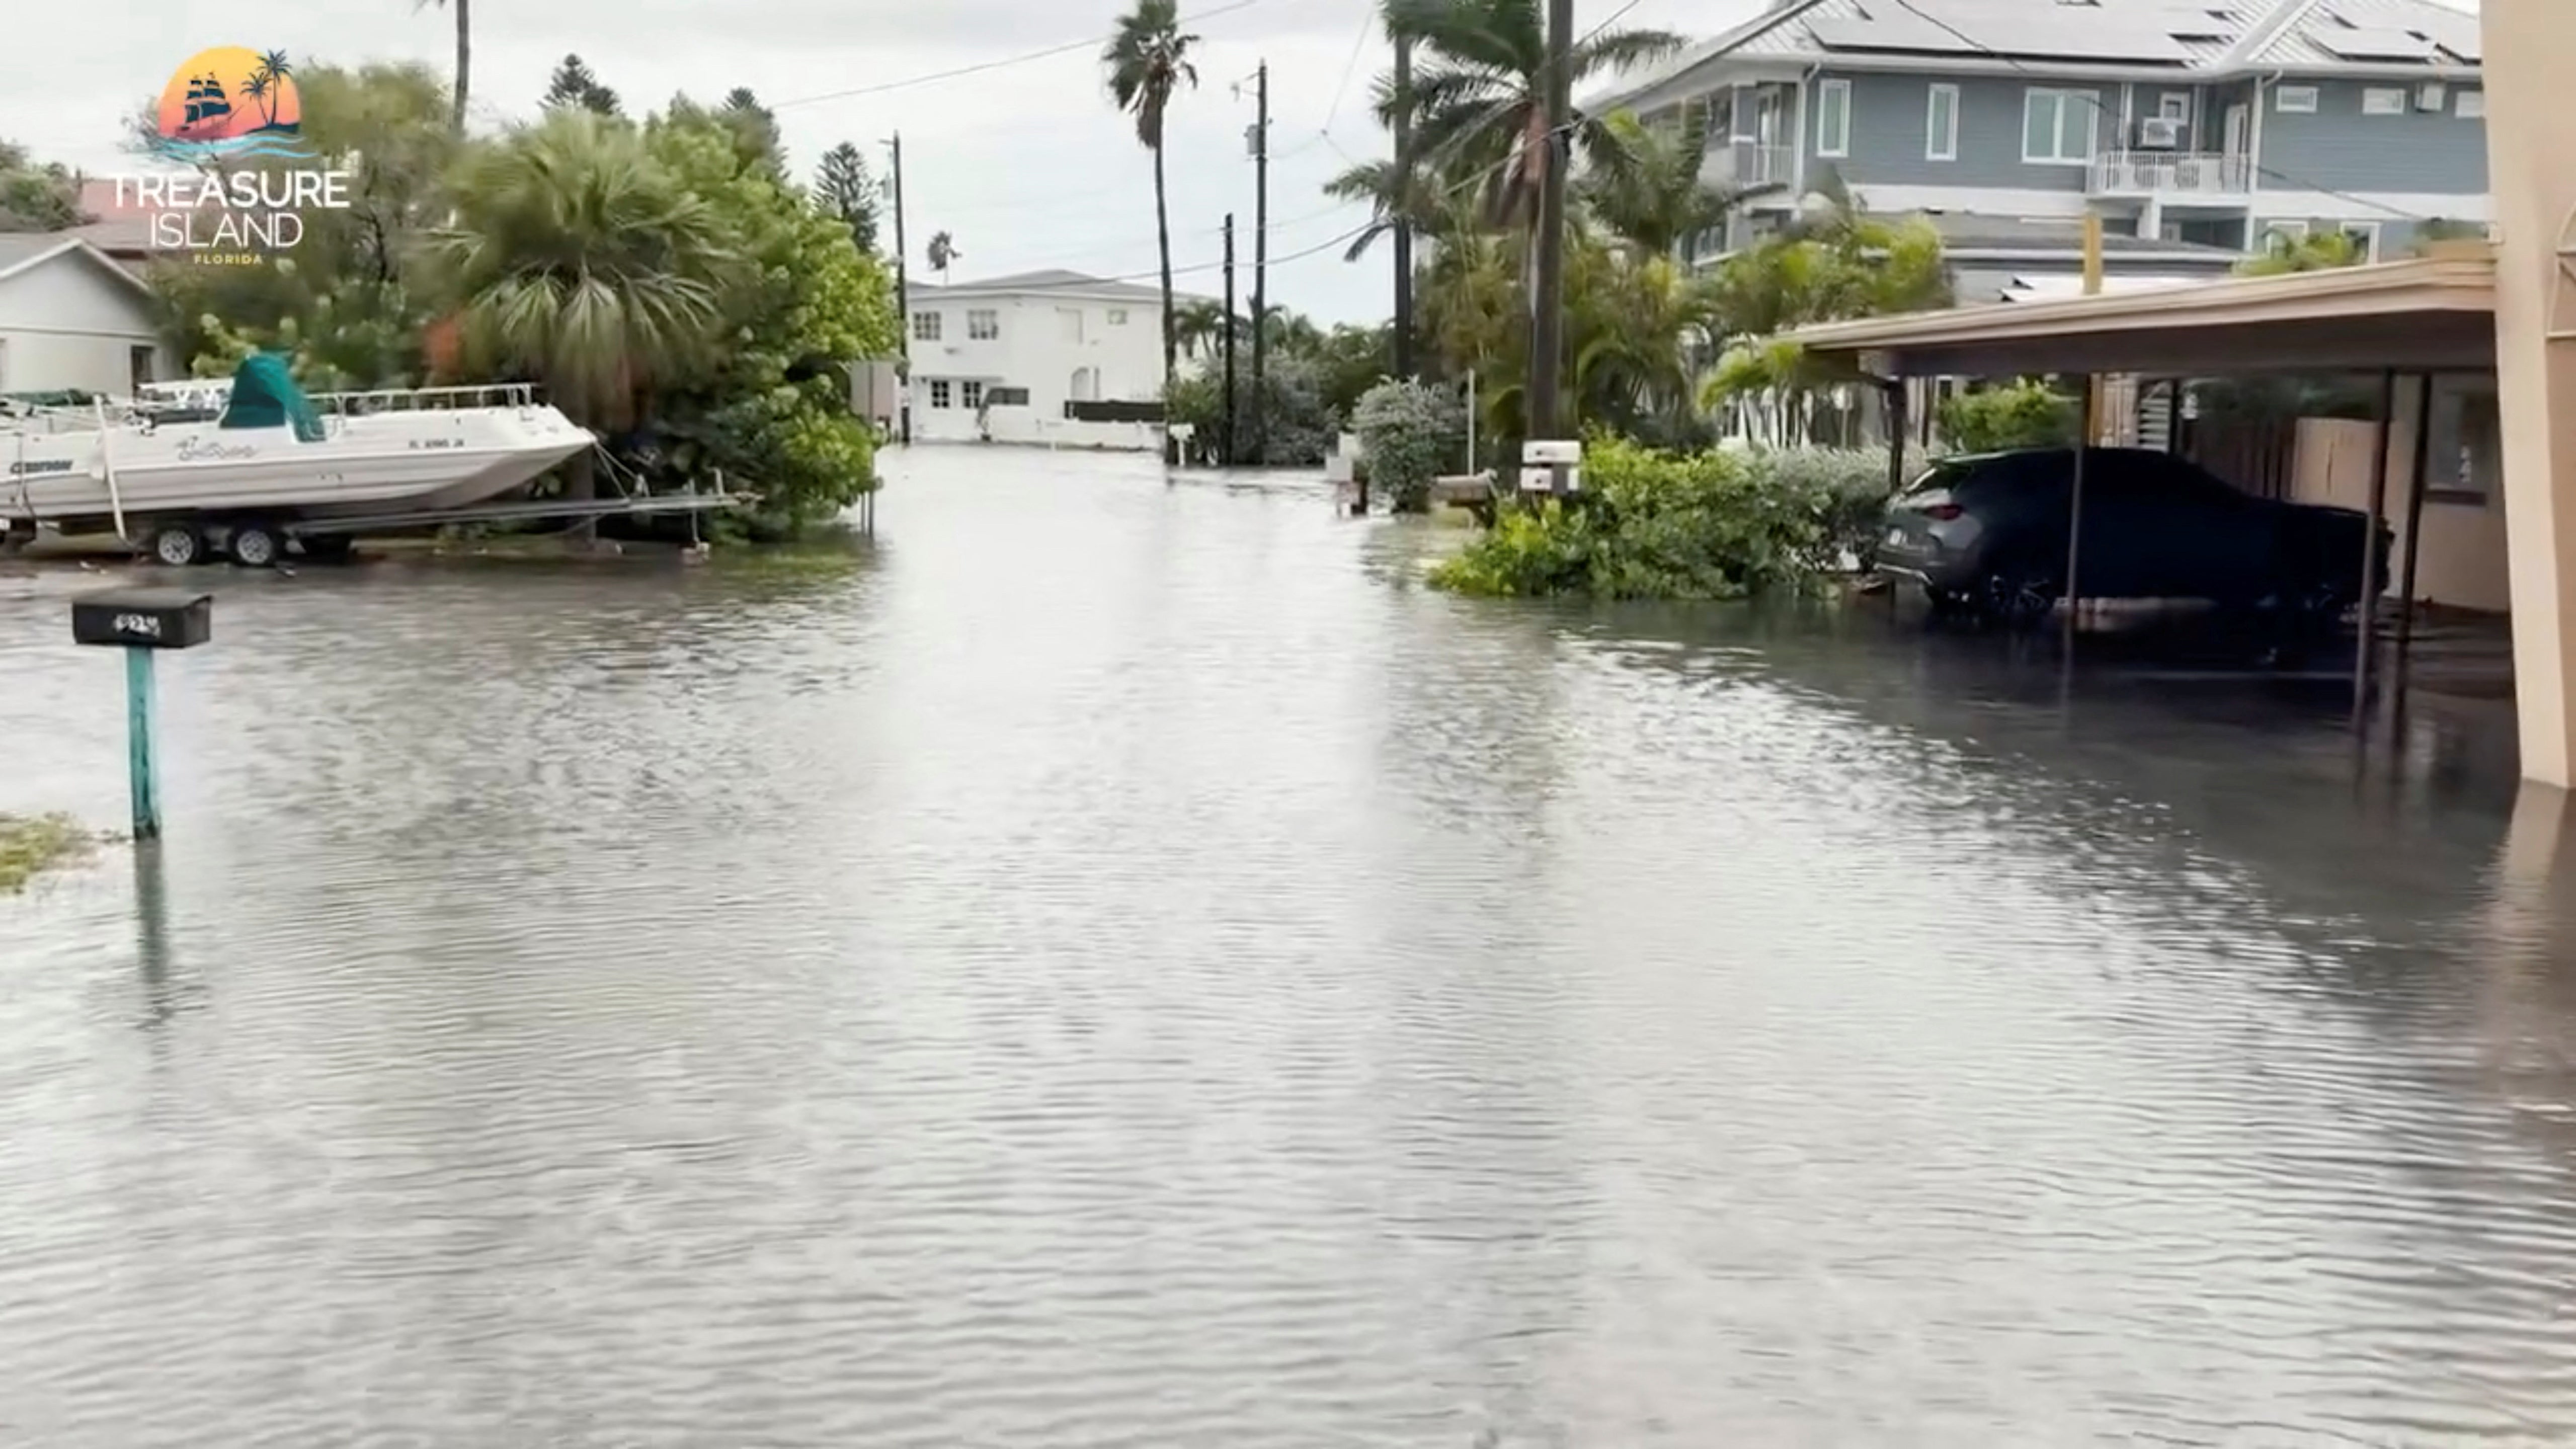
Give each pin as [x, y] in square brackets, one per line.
[1120, 965]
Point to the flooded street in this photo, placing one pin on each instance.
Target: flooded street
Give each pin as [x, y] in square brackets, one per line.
[1120, 964]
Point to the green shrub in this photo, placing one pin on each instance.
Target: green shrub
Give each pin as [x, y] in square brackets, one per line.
[1300, 426]
[1656, 525]
[1408, 429]
[1848, 486]
[2025, 414]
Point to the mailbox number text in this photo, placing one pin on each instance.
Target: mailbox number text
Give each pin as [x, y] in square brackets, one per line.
[143, 624]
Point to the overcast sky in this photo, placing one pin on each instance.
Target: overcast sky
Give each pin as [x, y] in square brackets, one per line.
[1026, 165]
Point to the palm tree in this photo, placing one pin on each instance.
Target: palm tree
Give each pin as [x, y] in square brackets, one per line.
[1201, 325]
[256, 88]
[277, 70]
[576, 260]
[1375, 183]
[1480, 100]
[1655, 201]
[464, 53]
[1148, 61]
[943, 252]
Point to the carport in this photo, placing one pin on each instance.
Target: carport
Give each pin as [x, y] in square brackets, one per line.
[2411, 319]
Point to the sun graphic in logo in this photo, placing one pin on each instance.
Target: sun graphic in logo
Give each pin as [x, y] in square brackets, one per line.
[231, 101]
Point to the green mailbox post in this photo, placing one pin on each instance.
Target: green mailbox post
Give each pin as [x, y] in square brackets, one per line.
[143, 622]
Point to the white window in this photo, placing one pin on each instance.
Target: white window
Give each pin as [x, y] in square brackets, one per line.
[939, 392]
[1941, 124]
[925, 326]
[2365, 238]
[971, 392]
[2172, 107]
[2473, 105]
[1833, 118]
[2384, 101]
[2295, 100]
[1117, 316]
[2057, 126]
[2284, 231]
[983, 325]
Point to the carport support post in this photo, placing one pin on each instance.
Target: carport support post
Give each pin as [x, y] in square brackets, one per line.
[2075, 519]
[1894, 390]
[2415, 512]
[2366, 634]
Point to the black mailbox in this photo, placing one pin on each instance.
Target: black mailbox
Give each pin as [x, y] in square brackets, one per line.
[144, 618]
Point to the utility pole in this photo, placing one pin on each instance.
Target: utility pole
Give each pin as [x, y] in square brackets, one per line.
[1260, 255]
[1403, 196]
[1547, 319]
[1226, 423]
[903, 298]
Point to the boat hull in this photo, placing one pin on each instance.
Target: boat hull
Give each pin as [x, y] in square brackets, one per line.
[364, 464]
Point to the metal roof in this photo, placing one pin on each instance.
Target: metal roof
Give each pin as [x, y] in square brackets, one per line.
[2320, 34]
[2204, 40]
[2437, 312]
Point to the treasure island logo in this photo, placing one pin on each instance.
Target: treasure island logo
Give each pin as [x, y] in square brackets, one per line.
[234, 118]
[231, 102]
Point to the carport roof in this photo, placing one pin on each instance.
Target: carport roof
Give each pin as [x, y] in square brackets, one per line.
[2435, 313]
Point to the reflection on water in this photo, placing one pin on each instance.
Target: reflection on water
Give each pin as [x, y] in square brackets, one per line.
[1120, 965]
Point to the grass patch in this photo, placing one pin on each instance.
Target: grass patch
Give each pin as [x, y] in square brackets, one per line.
[33, 843]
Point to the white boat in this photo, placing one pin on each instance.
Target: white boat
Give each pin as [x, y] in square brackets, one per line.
[272, 457]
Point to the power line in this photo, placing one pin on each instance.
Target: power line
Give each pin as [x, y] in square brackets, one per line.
[981, 67]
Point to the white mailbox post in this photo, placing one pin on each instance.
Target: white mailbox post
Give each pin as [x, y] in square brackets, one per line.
[1552, 466]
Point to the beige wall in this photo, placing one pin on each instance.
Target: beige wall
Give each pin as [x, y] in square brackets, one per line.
[2530, 70]
[2464, 563]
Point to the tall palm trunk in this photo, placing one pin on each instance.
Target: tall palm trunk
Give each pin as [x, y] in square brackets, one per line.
[464, 57]
[1163, 238]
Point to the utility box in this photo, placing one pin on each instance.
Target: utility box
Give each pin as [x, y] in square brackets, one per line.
[144, 618]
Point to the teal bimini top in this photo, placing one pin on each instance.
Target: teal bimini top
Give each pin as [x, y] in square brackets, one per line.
[265, 396]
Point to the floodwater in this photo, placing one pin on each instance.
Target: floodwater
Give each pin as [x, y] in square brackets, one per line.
[1121, 964]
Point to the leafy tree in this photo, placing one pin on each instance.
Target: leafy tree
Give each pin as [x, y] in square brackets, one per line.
[1148, 62]
[755, 130]
[344, 302]
[845, 188]
[578, 260]
[1479, 98]
[36, 197]
[771, 409]
[574, 85]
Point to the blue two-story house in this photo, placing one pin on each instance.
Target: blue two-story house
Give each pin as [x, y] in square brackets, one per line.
[2188, 124]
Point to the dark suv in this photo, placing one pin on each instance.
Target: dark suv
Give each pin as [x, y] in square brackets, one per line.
[1987, 533]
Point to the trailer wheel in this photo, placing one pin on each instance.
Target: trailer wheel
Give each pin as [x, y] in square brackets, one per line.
[255, 545]
[178, 545]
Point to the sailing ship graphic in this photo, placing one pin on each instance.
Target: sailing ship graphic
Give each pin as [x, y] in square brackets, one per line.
[205, 102]
[231, 102]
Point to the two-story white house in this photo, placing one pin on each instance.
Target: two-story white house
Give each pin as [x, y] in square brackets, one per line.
[2204, 123]
[1014, 359]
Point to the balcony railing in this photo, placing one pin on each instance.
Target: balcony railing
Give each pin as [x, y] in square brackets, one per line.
[2170, 174]
[1743, 165]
